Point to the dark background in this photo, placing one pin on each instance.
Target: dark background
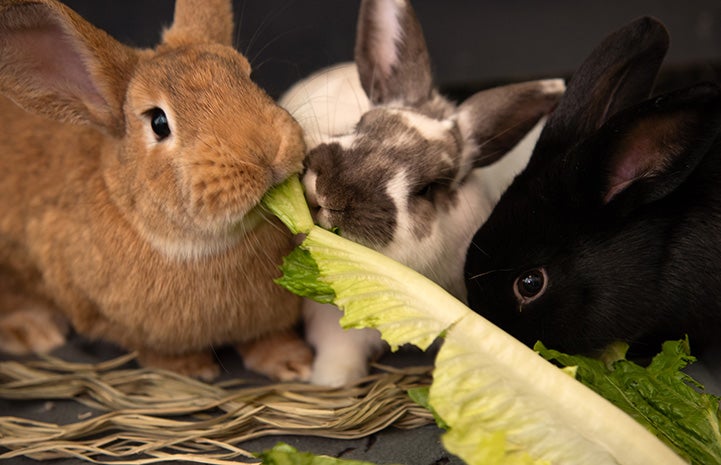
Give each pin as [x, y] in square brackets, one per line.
[473, 43]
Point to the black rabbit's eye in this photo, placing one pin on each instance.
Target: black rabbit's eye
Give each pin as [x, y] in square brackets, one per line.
[159, 123]
[530, 285]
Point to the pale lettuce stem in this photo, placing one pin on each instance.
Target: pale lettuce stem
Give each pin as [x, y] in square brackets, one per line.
[374, 290]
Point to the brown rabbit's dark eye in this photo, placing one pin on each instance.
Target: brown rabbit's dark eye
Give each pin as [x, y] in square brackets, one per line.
[530, 285]
[159, 123]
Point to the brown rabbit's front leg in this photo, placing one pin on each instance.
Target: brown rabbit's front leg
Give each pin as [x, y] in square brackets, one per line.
[201, 365]
[29, 323]
[281, 356]
[31, 329]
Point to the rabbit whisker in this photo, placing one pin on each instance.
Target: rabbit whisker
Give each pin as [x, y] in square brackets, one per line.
[239, 28]
[217, 359]
[491, 139]
[219, 145]
[268, 218]
[481, 275]
[480, 249]
[268, 44]
[267, 20]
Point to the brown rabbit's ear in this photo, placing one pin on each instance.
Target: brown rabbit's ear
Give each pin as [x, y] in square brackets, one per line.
[391, 53]
[500, 117]
[200, 21]
[55, 63]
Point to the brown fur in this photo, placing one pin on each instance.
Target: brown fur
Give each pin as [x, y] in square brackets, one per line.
[154, 245]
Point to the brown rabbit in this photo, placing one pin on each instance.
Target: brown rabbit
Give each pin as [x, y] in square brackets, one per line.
[129, 184]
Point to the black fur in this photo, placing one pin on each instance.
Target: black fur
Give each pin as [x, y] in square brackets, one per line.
[620, 205]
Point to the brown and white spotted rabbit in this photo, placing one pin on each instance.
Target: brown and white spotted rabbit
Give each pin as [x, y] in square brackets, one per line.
[396, 166]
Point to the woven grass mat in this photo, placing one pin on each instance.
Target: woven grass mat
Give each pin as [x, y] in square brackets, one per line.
[151, 416]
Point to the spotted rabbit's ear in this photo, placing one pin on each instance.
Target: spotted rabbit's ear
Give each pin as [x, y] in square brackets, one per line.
[391, 53]
[498, 118]
[198, 21]
[57, 64]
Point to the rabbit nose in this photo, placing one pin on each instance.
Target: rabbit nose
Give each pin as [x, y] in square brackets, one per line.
[291, 149]
[313, 206]
[309, 179]
[312, 200]
[323, 159]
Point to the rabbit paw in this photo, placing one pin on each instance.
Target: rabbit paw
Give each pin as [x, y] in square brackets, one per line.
[31, 330]
[281, 356]
[334, 369]
[343, 361]
[199, 365]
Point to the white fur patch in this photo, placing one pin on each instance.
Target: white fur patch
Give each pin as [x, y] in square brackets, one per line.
[440, 255]
[328, 103]
[397, 189]
[387, 21]
[346, 141]
[309, 184]
[182, 249]
[430, 128]
[341, 354]
[553, 86]
[188, 250]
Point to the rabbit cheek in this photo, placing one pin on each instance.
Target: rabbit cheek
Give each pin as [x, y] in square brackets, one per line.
[222, 190]
[421, 215]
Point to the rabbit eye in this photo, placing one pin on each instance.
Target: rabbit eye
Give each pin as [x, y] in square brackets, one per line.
[159, 123]
[530, 285]
[425, 191]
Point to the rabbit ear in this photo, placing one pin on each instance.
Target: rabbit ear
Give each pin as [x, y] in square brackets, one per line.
[650, 150]
[56, 64]
[497, 119]
[199, 21]
[391, 53]
[618, 73]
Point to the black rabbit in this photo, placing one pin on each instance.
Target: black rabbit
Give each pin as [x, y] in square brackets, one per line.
[613, 231]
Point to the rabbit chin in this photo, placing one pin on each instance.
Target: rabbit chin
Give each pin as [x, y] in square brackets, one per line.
[203, 244]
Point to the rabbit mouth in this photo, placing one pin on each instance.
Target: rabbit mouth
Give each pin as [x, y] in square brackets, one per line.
[324, 216]
[322, 212]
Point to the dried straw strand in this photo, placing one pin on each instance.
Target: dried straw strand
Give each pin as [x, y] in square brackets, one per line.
[146, 416]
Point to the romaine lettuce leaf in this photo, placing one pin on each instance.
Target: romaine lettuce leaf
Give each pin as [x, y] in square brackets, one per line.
[503, 403]
[287, 202]
[661, 397]
[283, 454]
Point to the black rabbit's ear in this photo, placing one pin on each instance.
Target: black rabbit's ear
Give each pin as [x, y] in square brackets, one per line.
[620, 72]
[652, 148]
[391, 53]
